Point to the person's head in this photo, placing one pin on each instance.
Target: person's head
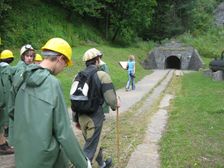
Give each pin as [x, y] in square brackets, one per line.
[27, 54]
[6, 56]
[57, 55]
[92, 57]
[38, 59]
[131, 57]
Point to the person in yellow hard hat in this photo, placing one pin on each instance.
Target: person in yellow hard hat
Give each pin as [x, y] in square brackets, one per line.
[41, 120]
[5, 84]
[38, 59]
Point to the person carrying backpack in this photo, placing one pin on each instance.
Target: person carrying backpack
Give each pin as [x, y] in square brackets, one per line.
[5, 84]
[91, 88]
[43, 135]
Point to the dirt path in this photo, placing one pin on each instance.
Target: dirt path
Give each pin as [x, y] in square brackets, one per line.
[146, 154]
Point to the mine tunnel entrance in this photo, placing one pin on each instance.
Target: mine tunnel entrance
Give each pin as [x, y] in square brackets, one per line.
[173, 62]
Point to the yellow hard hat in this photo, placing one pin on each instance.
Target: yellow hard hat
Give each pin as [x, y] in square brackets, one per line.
[6, 54]
[61, 46]
[91, 53]
[38, 57]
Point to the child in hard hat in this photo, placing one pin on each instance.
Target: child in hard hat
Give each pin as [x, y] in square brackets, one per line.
[43, 134]
[6, 58]
[27, 54]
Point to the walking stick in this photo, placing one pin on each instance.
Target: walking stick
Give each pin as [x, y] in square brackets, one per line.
[117, 136]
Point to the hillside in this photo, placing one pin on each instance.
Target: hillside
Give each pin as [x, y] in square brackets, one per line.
[36, 21]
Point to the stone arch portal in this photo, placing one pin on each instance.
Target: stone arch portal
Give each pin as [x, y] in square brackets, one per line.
[173, 62]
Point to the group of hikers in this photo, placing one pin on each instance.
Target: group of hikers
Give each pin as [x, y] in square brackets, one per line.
[34, 120]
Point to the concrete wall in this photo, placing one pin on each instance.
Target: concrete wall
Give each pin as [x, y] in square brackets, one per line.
[188, 56]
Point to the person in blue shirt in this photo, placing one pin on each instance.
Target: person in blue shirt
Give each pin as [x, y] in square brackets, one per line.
[131, 73]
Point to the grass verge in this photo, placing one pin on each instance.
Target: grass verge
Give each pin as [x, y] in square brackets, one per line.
[132, 128]
[194, 135]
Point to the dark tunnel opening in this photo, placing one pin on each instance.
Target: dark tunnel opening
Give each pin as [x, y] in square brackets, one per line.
[173, 62]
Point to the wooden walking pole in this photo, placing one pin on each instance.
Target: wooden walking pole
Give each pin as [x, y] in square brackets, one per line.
[118, 137]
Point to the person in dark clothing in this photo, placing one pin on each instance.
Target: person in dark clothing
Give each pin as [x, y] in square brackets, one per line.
[92, 124]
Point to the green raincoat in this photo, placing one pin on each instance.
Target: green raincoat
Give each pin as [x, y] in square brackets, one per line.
[5, 85]
[103, 67]
[42, 128]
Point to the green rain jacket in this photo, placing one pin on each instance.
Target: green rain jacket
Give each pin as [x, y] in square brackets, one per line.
[103, 67]
[17, 79]
[5, 85]
[42, 128]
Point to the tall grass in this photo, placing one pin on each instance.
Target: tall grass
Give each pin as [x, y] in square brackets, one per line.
[195, 133]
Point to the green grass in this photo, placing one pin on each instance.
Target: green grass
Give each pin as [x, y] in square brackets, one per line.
[131, 130]
[195, 133]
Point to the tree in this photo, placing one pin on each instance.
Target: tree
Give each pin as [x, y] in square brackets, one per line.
[129, 17]
[121, 19]
[84, 7]
[173, 17]
[5, 6]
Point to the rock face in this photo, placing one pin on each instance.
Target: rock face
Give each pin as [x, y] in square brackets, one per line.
[173, 55]
[219, 15]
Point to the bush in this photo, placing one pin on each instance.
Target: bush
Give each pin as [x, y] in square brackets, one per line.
[209, 44]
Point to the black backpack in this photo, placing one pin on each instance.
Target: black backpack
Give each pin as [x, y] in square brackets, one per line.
[85, 92]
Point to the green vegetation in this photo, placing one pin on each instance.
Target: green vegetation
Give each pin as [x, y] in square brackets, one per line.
[35, 22]
[123, 22]
[194, 136]
[174, 17]
[209, 44]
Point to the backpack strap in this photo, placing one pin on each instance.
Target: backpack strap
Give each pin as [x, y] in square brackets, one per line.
[92, 70]
[97, 82]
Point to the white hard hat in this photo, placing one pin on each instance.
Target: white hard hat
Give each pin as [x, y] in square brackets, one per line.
[25, 48]
[91, 53]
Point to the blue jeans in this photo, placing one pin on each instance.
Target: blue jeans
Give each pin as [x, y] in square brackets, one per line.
[131, 81]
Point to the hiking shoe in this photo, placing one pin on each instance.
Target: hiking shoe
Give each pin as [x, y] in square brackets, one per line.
[108, 163]
[5, 149]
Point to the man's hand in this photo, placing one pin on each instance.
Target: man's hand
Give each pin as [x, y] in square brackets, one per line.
[118, 102]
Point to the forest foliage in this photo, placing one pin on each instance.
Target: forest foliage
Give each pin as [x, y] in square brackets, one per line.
[116, 21]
